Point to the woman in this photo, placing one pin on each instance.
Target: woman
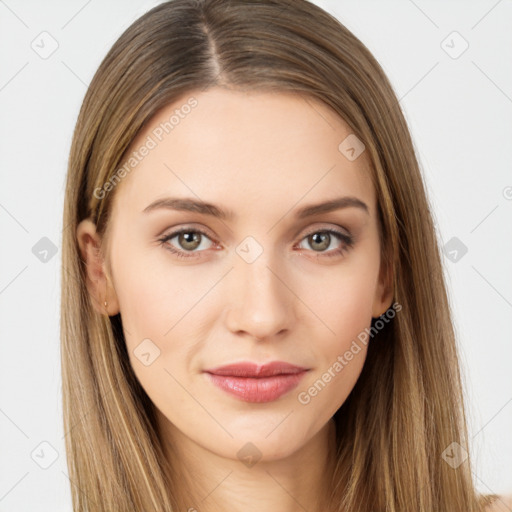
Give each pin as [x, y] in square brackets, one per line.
[254, 313]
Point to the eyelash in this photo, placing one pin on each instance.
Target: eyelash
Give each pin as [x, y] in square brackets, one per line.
[342, 237]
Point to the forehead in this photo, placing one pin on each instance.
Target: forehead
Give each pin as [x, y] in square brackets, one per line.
[254, 152]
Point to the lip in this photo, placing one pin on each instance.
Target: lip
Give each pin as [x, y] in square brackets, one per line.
[251, 382]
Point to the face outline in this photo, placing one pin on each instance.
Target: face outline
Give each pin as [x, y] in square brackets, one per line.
[241, 151]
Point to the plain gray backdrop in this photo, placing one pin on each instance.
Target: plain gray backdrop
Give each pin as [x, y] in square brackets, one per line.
[451, 66]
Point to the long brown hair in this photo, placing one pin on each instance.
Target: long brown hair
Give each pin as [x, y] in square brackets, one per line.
[407, 406]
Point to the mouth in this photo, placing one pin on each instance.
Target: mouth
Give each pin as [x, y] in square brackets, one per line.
[255, 383]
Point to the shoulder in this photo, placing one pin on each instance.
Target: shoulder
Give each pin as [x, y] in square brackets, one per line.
[502, 503]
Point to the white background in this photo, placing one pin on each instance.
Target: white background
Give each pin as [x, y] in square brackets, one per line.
[459, 111]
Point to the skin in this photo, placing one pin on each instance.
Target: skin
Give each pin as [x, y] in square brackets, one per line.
[263, 156]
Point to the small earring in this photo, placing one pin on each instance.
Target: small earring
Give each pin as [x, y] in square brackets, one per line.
[105, 303]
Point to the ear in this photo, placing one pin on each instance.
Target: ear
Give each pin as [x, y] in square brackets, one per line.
[384, 292]
[99, 284]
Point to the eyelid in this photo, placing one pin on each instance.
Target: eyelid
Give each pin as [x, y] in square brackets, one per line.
[176, 230]
[335, 228]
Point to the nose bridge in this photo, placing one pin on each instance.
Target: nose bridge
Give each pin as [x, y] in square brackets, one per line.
[261, 304]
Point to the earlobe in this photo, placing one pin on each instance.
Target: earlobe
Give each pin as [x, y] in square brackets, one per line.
[99, 285]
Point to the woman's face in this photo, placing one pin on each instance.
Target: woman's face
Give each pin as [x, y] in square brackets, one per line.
[260, 276]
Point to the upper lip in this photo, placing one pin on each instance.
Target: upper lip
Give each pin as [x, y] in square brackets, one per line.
[249, 369]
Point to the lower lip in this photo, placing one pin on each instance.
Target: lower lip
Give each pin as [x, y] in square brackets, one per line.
[257, 390]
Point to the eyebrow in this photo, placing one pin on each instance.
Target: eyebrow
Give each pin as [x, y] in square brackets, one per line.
[198, 206]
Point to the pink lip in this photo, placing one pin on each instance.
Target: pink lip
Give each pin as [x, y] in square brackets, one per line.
[253, 383]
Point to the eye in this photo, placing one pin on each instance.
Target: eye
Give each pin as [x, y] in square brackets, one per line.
[321, 240]
[188, 240]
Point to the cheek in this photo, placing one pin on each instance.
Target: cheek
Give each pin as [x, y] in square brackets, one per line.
[162, 309]
[149, 305]
[350, 308]
[153, 295]
[340, 354]
[345, 306]
[344, 299]
[155, 307]
[328, 388]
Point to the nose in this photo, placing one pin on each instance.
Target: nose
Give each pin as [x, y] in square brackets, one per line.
[262, 305]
